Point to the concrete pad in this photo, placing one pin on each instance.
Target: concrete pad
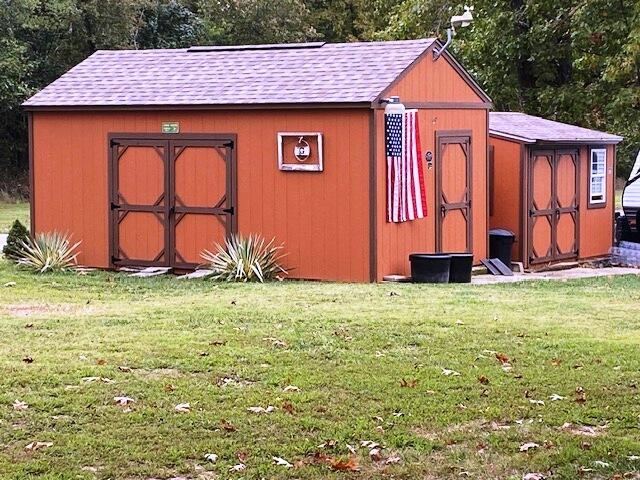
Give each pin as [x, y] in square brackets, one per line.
[569, 274]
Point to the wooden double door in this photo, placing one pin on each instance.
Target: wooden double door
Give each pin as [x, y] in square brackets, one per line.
[171, 197]
[553, 195]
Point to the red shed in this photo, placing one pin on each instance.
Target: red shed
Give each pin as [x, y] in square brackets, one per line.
[151, 156]
[552, 184]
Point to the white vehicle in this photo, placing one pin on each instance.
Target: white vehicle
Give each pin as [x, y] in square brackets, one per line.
[631, 193]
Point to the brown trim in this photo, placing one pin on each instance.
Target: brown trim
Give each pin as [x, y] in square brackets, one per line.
[524, 179]
[489, 184]
[596, 206]
[443, 105]
[169, 146]
[491, 171]
[373, 198]
[32, 177]
[442, 138]
[188, 107]
[613, 189]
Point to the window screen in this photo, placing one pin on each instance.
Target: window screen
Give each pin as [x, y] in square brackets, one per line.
[597, 177]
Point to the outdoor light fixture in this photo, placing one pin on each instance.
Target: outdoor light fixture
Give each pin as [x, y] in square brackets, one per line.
[462, 21]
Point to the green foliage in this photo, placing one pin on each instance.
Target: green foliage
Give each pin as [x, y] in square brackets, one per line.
[48, 252]
[17, 237]
[245, 259]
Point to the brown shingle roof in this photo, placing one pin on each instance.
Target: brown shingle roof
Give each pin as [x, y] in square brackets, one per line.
[274, 74]
[530, 129]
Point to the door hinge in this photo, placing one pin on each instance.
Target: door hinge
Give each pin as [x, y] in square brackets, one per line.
[229, 210]
[229, 144]
[114, 206]
[114, 259]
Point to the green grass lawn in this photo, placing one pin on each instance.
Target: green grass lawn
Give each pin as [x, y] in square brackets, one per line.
[368, 361]
[11, 211]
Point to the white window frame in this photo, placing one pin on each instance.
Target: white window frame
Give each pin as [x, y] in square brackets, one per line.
[593, 153]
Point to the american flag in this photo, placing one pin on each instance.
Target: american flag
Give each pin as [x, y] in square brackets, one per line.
[406, 199]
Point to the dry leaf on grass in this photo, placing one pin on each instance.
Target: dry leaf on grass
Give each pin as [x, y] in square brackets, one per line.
[536, 402]
[276, 342]
[282, 462]
[269, 409]
[525, 447]
[502, 358]
[211, 457]
[287, 406]
[533, 476]
[27, 359]
[123, 401]
[411, 383]
[601, 464]
[392, 460]
[555, 397]
[10, 284]
[583, 430]
[483, 380]
[375, 454]
[20, 405]
[341, 465]
[227, 426]
[101, 361]
[450, 373]
[183, 408]
[290, 388]
[98, 379]
[33, 446]
[124, 369]
[169, 387]
[240, 467]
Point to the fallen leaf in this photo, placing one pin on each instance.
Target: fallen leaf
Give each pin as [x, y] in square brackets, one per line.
[211, 457]
[275, 342]
[483, 380]
[352, 449]
[227, 426]
[533, 476]
[124, 369]
[269, 409]
[203, 354]
[123, 401]
[29, 325]
[502, 358]
[450, 373]
[633, 458]
[101, 361]
[282, 462]
[341, 465]
[536, 402]
[601, 464]
[169, 387]
[459, 322]
[287, 406]
[291, 388]
[556, 362]
[33, 446]
[581, 396]
[98, 379]
[10, 284]
[392, 459]
[183, 408]
[27, 359]
[19, 405]
[374, 454]
[412, 383]
[393, 294]
[525, 447]
[217, 343]
[555, 397]
[242, 456]
[240, 466]
[583, 430]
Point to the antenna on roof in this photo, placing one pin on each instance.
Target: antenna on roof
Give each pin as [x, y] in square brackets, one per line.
[463, 20]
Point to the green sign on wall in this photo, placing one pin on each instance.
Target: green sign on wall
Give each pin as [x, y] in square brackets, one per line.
[170, 127]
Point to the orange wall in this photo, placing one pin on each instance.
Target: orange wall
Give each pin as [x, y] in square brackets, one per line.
[323, 218]
[434, 81]
[596, 224]
[397, 240]
[507, 176]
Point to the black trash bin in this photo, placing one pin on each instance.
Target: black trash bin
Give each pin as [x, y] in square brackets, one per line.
[430, 267]
[461, 266]
[501, 244]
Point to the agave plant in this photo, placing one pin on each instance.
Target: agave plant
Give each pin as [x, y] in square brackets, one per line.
[48, 252]
[245, 259]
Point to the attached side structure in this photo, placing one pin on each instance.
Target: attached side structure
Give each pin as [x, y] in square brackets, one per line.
[105, 169]
[552, 184]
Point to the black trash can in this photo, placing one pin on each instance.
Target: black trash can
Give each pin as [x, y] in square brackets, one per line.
[430, 267]
[460, 269]
[501, 244]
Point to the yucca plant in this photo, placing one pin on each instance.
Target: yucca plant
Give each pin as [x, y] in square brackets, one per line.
[48, 252]
[245, 259]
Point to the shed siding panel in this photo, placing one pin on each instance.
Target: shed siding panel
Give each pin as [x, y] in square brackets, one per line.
[433, 81]
[507, 175]
[596, 224]
[397, 240]
[321, 217]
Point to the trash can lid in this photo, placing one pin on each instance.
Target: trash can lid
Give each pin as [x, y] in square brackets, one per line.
[501, 232]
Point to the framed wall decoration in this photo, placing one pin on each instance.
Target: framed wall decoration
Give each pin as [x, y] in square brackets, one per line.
[300, 151]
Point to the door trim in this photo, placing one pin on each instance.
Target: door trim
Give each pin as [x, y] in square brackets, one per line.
[168, 142]
[443, 138]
